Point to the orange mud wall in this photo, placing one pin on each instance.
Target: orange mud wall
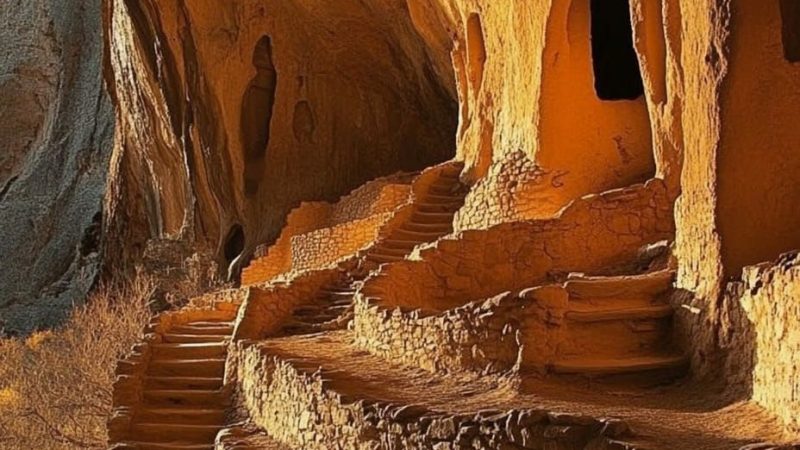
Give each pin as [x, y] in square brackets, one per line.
[759, 158]
[533, 132]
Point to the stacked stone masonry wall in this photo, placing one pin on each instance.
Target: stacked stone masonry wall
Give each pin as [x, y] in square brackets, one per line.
[480, 337]
[298, 407]
[591, 234]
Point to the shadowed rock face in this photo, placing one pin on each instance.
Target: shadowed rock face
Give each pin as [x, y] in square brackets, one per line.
[56, 128]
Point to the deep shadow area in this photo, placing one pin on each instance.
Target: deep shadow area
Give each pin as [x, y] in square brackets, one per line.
[616, 66]
[790, 24]
[257, 105]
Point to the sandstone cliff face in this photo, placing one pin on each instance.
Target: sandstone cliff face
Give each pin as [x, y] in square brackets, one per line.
[231, 113]
[56, 123]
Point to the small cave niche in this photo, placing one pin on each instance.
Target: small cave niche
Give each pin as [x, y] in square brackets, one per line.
[257, 106]
[617, 75]
[790, 29]
[476, 52]
[234, 243]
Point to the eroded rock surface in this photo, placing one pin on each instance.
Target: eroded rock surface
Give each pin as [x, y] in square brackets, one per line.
[56, 129]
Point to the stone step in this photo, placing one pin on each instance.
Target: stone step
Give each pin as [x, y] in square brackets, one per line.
[194, 338]
[208, 329]
[432, 218]
[202, 383]
[186, 416]
[446, 188]
[141, 445]
[647, 286]
[442, 198]
[400, 244]
[185, 398]
[155, 432]
[206, 368]
[383, 250]
[441, 228]
[676, 364]
[419, 236]
[650, 312]
[384, 259]
[189, 350]
[448, 208]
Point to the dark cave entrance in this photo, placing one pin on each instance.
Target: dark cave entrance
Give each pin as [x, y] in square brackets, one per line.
[234, 243]
[257, 106]
[790, 29]
[616, 67]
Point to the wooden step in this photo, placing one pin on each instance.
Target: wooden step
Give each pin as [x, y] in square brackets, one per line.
[194, 338]
[202, 383]
[155, 432]
[589, 315]
[185, 398]
[612, 366]
[214, 367]
[190, 351]
[186, 416]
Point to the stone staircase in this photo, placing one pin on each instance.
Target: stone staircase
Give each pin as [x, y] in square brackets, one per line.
[619, 325]
[431, 218]
[183, 402]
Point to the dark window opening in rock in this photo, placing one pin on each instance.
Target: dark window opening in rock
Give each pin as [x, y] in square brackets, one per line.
[234, 243]
[476, 52]
[257, 106]
[790, 24]
[616, 66]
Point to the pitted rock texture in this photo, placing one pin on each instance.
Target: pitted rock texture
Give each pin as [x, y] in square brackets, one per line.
[56, 128]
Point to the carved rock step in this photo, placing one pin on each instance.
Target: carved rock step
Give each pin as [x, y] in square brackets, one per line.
[382, 259]
[141, 445]
[401, 244]
[221, 328]
[441, 228]
[185, 398]
[603, 367]
[161, 432]
[186, 416]
[411, 235]
[648, 285]
[449, 207]
[214, 367]
[194, 338]
[590, 315]
[432, 218]
[380, 249]
[189, 351]
[207, 383]
[442, 198]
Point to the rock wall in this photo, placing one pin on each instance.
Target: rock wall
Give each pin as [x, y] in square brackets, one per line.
[770, 297]
[234, 112]
[57, 125]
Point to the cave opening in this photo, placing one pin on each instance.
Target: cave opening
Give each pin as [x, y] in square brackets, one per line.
[258, 103]
[234, 243]
[790, 29]
[476, 52]
[617, 75]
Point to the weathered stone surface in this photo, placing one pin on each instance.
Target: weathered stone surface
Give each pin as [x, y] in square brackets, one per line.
[56, 128]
